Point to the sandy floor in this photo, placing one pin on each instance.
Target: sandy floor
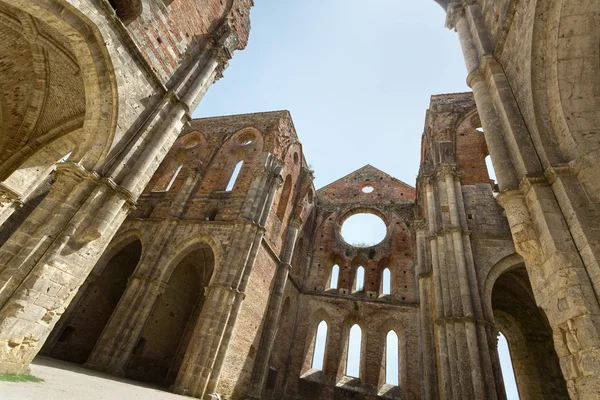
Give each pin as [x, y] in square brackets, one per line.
[65, 381]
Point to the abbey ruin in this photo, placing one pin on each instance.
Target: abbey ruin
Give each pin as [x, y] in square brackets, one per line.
[197, 254]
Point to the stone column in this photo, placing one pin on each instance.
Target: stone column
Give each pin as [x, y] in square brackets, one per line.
[464, 367]
[261, 364]
[58, 328]
[426, 316]
[442, 301]
[560, 282]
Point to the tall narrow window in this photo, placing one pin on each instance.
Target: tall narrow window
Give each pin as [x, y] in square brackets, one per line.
[319, 350]
[333, 281]
[387, 282]
[284, 198]
[354, 344]
[392, 367]
[173, 178]
[234, 176]
[508, 374]
[65, 157]
[360, 279]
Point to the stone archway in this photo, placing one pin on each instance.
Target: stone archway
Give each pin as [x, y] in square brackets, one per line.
[158, 354]
[88, 315]
[529, 336]
[57, 79]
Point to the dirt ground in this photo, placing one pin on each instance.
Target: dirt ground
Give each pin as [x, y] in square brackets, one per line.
[65, 381]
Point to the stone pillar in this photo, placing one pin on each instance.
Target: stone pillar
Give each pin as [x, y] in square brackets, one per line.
[48, 258]
[203, 360]
[464, 367]
[424, 277]
[59, 327]
[560, 282]
[261, 364]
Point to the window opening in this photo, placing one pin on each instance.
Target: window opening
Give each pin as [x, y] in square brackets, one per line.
[490, 168]
[367, 189]
[392, 367]
[212, 214]
[234, 176]
[387, 281]
[173, 178]
[319, 350]
[363, 230]
[333, 281]
[360, 279]
[354, 345]
[508, 374]
[284, 198]
[64, 158]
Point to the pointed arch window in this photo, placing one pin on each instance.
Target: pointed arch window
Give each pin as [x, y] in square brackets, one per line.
[319, 348]
[333, 280]
[359, 283]
[284, 198]
[177, 171]
[392, 364]
[506, 367]
[234, 176]
[354, 346]
[386, 284]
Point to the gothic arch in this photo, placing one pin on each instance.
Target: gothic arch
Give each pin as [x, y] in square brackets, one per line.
[311, 336]
[174, 315]
[185, 247]
[565, 72]
[76, 43]
[75, 336]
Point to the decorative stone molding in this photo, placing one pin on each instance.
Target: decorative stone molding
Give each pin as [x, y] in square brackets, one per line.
[8, 195]
[553, 173]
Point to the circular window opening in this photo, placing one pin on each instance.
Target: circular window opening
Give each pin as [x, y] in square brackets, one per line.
[363, 230]
[367, 189]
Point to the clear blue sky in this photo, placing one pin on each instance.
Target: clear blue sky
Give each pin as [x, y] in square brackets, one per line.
[356, 77]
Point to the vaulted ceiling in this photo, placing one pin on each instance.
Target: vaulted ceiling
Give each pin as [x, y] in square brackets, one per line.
[41, 90]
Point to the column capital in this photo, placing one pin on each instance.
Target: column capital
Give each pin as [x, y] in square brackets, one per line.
[76, 172]
[529, 181]
[454, 12]
[555, 172]
[121, 192]
[224, 41]
[445, 170]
